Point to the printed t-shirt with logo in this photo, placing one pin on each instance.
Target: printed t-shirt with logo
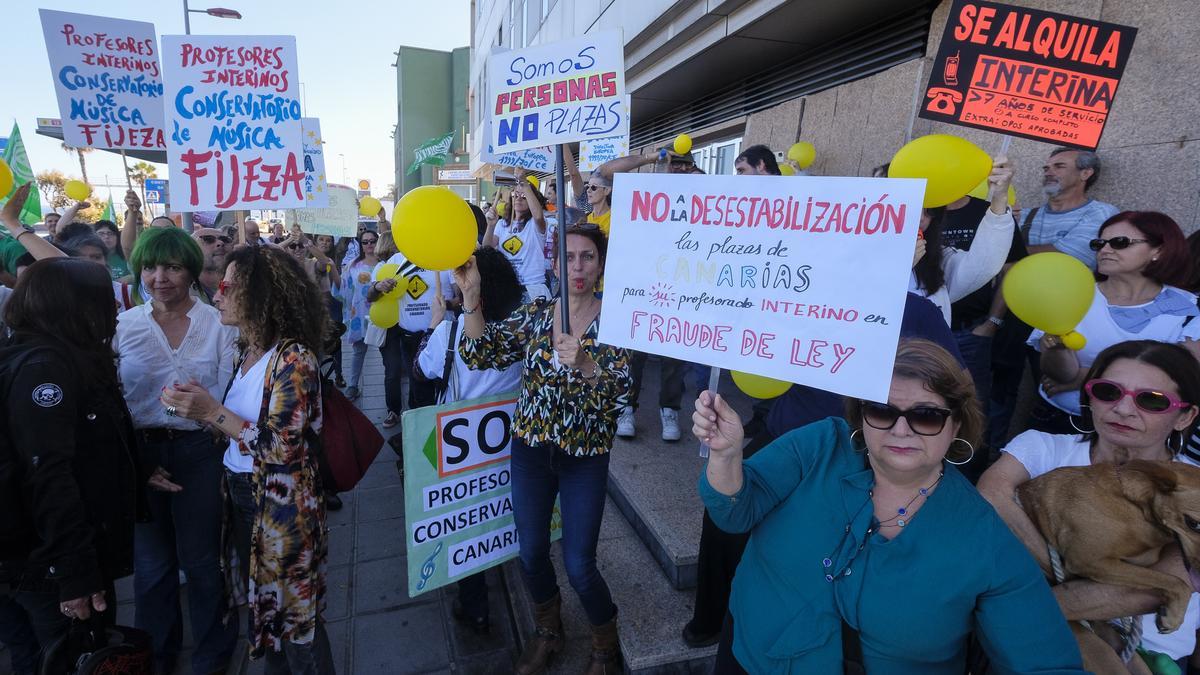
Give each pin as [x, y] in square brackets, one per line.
[522, 244]
[416, 300]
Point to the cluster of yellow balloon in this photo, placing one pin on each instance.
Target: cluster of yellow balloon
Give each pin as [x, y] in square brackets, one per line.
[434, 228]
[369, 206]
[1051, 292]
[803, 154]
[77, 190]
[757, 386]
[6, 179]
[951, 166]
[385, 312]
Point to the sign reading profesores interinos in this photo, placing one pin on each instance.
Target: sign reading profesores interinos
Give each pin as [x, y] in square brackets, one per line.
[1026, 72]
[798, 279]
[560, 92]
[458, 490]
[107, 79]
[233, 118]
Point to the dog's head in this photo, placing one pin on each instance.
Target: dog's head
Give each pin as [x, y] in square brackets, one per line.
[1170, 492]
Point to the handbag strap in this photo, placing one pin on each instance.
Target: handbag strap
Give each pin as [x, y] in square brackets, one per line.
[448, 366]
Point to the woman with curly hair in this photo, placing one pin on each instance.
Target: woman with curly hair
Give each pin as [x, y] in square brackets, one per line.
[271, 414]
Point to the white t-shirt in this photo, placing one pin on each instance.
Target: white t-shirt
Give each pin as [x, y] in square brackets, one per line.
[1101, 332]
[416, 304]
[245, 399]
[968, 271]
[524, 249]
[1041, 453]
[464, 383]
[147, 364]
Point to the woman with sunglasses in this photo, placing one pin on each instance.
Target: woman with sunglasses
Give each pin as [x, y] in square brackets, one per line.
[866, 547]
[1139, 401]
[356, 284]
[599, 198]
[521, 236]
[1141, 260]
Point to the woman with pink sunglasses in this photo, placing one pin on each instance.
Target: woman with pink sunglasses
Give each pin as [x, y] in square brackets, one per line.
[1139, 401]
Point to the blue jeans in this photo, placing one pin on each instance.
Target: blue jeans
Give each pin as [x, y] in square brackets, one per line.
[398, 352]
[357, 358]
[539, 474]
[16, 632]
[184, 534]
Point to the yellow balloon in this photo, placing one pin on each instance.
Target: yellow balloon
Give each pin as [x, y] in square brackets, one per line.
[758, 386]
[951, 166]
[802, 153]
[1074, 341]
[77, 190]
[787, 170]
[501, 208]
[387, 271]
[369, 206]
[1050, 291]
[385, 313]
[6, 179]
[981, 192]
[683, 144]
[434, 228]
[533, 180]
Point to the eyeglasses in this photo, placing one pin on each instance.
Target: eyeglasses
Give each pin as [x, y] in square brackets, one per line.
[923, 420]
[223, 286]
[1117, 243]
[591, 187]
[369, 242]
[295, 247]
[212, 238]
[1147, 400]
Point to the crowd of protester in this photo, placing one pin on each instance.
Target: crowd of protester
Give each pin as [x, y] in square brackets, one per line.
[163, 389]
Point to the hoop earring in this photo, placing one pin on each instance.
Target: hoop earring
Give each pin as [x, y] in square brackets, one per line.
[855, 443]
[969, 458]
[1182, 442]
[1071, 421]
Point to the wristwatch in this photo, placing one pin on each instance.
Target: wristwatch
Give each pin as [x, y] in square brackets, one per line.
[997, 321]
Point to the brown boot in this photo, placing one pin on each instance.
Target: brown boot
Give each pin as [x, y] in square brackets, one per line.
[548, 639]
[606, 652]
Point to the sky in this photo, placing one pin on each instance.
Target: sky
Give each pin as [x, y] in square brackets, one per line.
[345, 62]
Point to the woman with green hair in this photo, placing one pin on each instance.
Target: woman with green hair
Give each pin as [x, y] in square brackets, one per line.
[174, 338]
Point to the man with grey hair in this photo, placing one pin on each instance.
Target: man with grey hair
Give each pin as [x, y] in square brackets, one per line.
[1069, 219]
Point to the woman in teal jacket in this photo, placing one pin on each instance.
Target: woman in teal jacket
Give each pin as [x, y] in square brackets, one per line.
[883, 549]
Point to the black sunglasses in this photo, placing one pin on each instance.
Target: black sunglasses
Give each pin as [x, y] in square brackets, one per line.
[295, 246]
[368, 242]
[923, 420]
[1117, 243]
[211, 238]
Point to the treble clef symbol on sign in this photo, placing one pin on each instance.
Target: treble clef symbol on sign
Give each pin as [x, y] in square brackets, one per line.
[428, 567]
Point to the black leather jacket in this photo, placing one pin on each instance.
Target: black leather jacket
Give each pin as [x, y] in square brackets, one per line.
[70, 484]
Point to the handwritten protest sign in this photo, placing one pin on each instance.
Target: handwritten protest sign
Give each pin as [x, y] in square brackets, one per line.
[457, 490]
[1026, 72]
[559, 92]
[339, 218]
[799, 279]
[595, 151]
[107, 78]
[541, 160]
[233, 116]
[316, 187]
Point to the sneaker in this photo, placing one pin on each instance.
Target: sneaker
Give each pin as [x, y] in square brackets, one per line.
[696, 639]
[670, 424]
[340, 382]
[391, 420]
[625, 427]
[352, 393]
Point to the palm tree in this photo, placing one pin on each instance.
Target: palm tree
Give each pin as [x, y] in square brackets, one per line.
[140, 173]
[80, 152]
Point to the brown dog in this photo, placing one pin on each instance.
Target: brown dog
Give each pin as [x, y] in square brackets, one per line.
[1108, 522]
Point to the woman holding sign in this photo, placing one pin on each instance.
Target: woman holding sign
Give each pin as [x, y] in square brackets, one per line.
[863, 543]
[572, 389]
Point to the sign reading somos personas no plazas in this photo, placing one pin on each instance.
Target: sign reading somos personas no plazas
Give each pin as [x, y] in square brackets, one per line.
[457, 490]
[801, 279]
[560, 92]
[1024, 72]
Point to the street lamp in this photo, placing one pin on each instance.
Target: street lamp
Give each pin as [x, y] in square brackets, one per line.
[219, 12]
[344, 174]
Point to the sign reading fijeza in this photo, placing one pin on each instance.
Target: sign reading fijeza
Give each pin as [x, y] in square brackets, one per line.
[233, 113]
[557, 93]
[799, 279]
[458, 490]
[106, 75]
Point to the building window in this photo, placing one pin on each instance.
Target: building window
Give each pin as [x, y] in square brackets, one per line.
[717, 158]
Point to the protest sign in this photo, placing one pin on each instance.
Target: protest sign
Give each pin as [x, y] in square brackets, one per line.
[316, 188]
[596, 151]
[1026, 72]
[457, 490]
[233, 118]
[107, 78]
[559, 92]
[799, 279]
[338, 219]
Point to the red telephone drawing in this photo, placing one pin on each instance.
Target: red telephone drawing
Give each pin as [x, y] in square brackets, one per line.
[943, 101]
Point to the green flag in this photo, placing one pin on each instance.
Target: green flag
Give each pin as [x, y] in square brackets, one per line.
[432, 151]
[108, 210]
[18, 161]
